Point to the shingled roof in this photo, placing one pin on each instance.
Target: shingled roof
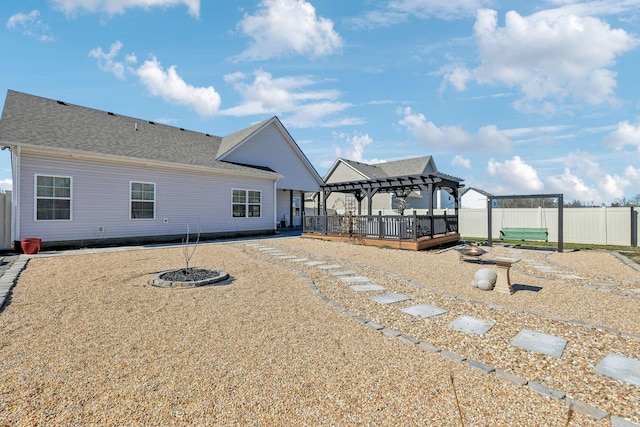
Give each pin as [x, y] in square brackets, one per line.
[36, 122]
[413, 166]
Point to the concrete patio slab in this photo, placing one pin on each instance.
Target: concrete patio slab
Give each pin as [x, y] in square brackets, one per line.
[540, 343]
[424, 310]
[471, 325]
[620, 368]
[367, 288]
[389, 298]
[355, 279]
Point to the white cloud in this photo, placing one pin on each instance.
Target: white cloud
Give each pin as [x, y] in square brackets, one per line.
[356, 144]
[6, 184]
[458, 160]
[159, 82]
[515, 176]
[288, 95]
[583, 179]
[114, 7]
[625, 134]
[534, 131]
[591, 8]
[172, 88]
[453, 138]
[573, 188]
[107, 61]
[399, 11]
[31, 25]
[547, 56]
[283, 27]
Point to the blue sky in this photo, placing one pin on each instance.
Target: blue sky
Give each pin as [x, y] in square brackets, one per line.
[515, 97]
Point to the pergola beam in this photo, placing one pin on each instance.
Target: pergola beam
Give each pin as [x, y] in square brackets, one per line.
[396, 184]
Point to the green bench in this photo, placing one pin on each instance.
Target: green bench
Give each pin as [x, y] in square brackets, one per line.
[524, 234]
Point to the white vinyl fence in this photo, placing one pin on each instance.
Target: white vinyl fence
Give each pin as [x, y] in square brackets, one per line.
[598, 226]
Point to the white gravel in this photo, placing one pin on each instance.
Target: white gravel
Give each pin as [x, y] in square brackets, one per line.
[86, 341]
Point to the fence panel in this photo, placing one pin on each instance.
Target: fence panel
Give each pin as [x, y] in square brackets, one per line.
[597, 226]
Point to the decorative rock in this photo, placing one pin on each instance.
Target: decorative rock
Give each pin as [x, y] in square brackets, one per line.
[484, 279]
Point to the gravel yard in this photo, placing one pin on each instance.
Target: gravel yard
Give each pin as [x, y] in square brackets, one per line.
[85, 340]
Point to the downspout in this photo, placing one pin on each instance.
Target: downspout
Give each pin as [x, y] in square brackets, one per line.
[275, 205]
[15, 199]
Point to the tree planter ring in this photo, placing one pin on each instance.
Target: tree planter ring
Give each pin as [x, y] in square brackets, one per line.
[202, 277]
[31, 245]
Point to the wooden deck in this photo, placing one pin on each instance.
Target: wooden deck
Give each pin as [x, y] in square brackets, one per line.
[407, 244]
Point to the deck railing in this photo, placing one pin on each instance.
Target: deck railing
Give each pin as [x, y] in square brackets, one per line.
[381, 226]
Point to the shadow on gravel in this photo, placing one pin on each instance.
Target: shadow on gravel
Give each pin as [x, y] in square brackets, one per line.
[516, 288]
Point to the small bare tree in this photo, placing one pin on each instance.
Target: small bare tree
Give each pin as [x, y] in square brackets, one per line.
[189, 249]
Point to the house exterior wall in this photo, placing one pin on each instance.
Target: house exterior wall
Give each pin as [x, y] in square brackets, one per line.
[101, 198]
[473, 200]
[343, 173]
[339, 201]
[272, 149]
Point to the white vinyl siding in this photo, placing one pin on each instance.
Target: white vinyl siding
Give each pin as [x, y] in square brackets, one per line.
[53, 198]
[101, 201]
[143, 200]
[271, 148]
[246, 203]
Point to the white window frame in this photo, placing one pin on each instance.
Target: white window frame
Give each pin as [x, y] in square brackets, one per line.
[131, 200]
[246, 203]
[36, 197]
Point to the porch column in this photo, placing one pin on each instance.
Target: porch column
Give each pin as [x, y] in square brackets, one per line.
[290, 208]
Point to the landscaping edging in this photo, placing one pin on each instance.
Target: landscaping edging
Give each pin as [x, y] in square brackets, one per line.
[217, 278]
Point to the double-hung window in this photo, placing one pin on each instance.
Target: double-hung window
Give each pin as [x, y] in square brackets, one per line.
[246, 203]
[53, 197]
[143, 200]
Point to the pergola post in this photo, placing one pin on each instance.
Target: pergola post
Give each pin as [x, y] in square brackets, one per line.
[430, 189]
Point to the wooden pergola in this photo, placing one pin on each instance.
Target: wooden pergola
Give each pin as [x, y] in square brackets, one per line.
[414, 232]
[401, 186]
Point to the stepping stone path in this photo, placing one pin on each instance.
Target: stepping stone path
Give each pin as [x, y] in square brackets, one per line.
[354, 279]
[329, 267]
[614, 366]
[366, 288]
[540, 343]
[620, 368]
[343, 272]
[389, 298]
[424, 310]
[471, 325]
